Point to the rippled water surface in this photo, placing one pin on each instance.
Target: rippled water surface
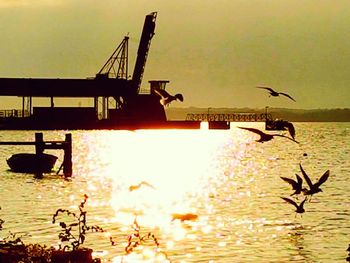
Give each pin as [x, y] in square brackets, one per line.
[226, 178]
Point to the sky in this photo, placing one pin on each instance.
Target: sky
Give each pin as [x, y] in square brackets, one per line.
[214, 52]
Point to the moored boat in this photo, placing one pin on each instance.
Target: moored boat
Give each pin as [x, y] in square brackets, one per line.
[31, 162]
[275, 125]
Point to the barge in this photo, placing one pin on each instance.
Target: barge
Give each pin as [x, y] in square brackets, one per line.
[118, 101]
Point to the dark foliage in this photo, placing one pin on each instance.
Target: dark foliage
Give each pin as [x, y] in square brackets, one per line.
[136, 239]
[79, 225]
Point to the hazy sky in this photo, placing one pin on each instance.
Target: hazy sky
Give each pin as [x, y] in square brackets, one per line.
[214, 52]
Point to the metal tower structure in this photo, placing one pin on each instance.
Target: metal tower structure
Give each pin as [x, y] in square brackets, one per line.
[115, 67]
[119, 57]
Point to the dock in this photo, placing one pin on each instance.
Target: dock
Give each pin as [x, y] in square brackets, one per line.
[41, 146]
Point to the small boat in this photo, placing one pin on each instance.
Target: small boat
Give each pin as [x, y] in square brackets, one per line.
[31, 162]
[275, 125]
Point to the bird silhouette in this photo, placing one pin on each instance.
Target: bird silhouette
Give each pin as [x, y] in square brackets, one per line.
[290, 127]
[184, 217]
[135, 187]
[296, 185]
[299, 208]
[314, 188]
[166, 98]
[275, 93]
[264, 137]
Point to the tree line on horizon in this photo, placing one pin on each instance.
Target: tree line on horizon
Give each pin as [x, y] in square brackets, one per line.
[299, 115]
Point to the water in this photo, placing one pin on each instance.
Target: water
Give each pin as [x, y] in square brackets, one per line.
[231, 182]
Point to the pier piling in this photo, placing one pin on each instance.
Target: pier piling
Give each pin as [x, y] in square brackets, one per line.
[67, 159]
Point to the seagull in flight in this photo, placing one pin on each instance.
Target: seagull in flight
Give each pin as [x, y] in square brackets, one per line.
[264, 137]
[290, 128]
[135, 187]
[299, 208]
[274, 93]
[314, 188]
[166, 98]
[184, 217]
[296, 185]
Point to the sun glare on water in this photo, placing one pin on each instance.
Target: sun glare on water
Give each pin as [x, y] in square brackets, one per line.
[160, 177]
[156, 172]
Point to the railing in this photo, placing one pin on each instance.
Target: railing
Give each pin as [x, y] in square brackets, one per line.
[13, 114]
[231, 117]
[144, 91]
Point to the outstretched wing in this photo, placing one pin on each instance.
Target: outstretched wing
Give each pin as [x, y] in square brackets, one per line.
[161, 92]
[281, 135]
[146, 184]
[300, 181]
[323, 178]
[302, 203]
[253, 130]
[290, 181]
[285, 94]
[267, 88]
[306, 177]
[179, 97]
[291, 129]
[290, 201]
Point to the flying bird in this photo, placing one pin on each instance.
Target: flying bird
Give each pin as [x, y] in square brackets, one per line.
[274, 93]
[135, 187]
[314, 188]
[264, 137]
[166, 98]
[184, 217]
[290, 127]
[299, 208]
[296, 185]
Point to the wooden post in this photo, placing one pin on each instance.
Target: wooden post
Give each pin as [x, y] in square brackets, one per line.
[23, 107]
[39, 143]
[67, 158]
[39, 149]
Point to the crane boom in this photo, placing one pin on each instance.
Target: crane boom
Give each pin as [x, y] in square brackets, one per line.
[145, 42]
[120, 55]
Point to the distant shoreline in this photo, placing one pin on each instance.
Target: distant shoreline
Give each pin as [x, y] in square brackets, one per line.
[296, 115]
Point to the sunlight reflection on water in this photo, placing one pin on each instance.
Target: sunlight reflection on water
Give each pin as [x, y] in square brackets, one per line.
[231, 182]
